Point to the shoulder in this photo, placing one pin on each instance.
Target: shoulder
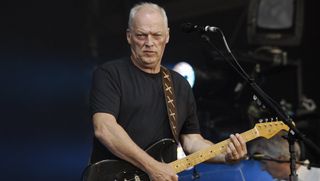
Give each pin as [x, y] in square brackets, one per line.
[114, 64]
[110, 69]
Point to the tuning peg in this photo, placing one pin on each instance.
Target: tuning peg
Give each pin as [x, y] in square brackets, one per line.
[266, 120]
[260, 120]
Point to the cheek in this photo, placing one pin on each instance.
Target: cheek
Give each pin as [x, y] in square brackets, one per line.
[136, 43]
[137, 48]
[161, 44]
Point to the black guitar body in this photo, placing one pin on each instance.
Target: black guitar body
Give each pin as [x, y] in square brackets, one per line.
[111, 170]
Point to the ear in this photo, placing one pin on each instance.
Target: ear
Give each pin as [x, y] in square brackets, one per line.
[129, 36]
[168, 35]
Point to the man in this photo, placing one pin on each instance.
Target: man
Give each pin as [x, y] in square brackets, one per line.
[274, 155]
[128, 104]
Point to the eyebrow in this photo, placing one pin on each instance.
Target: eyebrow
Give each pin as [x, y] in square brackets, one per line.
[148, 32]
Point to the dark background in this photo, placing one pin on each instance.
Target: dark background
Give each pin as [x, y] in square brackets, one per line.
[48, 50]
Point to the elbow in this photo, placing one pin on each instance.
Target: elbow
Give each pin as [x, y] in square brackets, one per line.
[101, 124]
[106, 129]
[98, 133]
[100, 129]
[104, 136]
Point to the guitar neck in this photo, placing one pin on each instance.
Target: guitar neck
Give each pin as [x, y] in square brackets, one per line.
[210, 152]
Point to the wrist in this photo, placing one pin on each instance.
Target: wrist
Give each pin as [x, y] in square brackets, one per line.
[150, 165]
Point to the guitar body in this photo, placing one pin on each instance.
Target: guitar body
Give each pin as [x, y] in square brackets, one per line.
[111, 170]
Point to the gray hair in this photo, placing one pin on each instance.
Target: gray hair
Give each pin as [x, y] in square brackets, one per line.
[274, 147]
[153, 6]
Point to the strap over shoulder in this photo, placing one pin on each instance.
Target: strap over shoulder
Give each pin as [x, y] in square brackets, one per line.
[170, 101]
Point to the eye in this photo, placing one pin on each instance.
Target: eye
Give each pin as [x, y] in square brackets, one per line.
[157, 36]
[141, 36]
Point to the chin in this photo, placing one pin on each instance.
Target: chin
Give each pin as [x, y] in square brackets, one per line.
[150, 61]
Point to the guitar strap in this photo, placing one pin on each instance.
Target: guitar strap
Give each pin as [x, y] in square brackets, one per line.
[170, 101]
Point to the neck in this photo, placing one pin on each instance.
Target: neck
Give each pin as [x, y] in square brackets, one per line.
[148, 69]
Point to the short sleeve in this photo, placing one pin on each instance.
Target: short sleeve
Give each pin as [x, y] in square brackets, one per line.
[105, 92]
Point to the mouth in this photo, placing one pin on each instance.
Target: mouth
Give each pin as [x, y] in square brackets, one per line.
[148, 52]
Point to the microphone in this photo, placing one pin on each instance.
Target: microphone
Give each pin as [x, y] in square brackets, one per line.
[189, 27]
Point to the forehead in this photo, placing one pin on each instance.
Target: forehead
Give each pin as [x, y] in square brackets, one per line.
[148, 20]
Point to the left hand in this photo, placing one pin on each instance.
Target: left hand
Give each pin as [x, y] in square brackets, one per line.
[236, 149]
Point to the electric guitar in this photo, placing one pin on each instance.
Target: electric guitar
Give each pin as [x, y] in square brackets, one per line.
[119, 170]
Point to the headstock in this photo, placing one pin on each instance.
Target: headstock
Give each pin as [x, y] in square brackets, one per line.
[269, 129]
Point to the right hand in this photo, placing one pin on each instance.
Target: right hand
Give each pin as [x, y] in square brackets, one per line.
[162, 171]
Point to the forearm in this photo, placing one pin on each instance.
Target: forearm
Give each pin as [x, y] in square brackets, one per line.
[194, 145]
[220, 158]
[235, 150]
[115, 138]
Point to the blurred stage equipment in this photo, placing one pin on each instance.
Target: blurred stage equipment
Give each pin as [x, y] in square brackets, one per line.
[269, 102]
[273, 26]
[186, 70]
[268, 158]
[275, 22]
[204, 79]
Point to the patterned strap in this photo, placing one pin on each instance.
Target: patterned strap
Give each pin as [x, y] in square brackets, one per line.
[170, 101]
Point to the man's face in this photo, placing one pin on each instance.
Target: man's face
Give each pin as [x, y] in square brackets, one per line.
[276, 170]
[148, 37]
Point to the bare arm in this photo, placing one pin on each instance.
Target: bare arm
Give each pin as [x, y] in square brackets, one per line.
[236, 149]
[116, 139]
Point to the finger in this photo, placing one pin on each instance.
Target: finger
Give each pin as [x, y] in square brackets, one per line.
[229, 151]
[242, 146]
[242, 142]
[229, 155]
[235, 145]
[174, 178]
[234, 152]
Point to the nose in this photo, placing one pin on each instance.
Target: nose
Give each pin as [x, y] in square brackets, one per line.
[149, 41]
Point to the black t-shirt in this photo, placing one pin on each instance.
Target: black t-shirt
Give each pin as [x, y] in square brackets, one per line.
[136, 99]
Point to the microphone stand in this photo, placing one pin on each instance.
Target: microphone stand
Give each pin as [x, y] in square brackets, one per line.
[195, 173]
[293, 174]
[293, 133]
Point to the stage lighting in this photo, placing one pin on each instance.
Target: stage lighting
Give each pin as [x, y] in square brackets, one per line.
[186, 71]
[275, 22]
